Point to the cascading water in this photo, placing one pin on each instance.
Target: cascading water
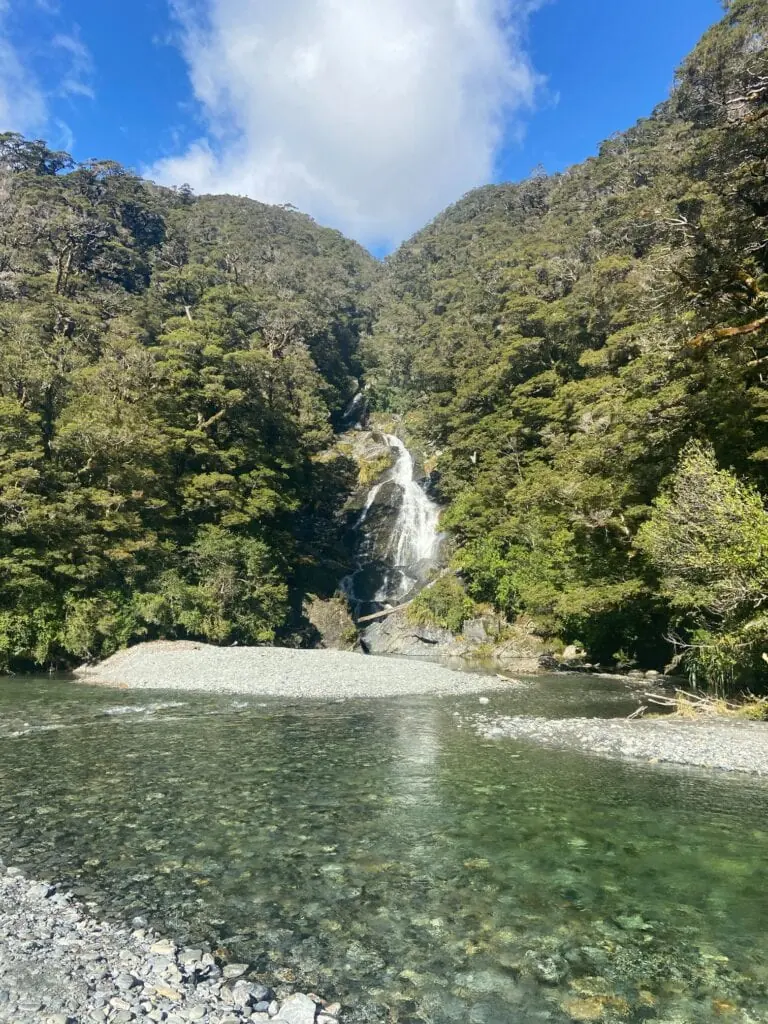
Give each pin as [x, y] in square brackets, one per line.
[414, 536]
[398, 541]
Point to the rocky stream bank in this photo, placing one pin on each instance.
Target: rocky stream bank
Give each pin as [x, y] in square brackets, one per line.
[60, 965]
[707, 743]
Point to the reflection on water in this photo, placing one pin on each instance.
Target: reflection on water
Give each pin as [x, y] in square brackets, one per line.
[376, 851]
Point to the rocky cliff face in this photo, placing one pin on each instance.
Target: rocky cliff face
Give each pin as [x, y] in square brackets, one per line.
[485, 639]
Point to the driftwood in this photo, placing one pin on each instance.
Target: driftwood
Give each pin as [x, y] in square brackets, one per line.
[637, 714]
[698, 701]
[689, 703]
[385, 613]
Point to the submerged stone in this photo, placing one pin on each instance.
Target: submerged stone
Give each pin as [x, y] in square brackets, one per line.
[234, 970]
[549, 970]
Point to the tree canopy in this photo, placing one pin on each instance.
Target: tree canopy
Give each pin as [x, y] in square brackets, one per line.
[582, 358]
[557, 344]
[170, 372]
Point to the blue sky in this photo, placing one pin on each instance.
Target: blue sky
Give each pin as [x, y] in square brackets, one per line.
[371, 115]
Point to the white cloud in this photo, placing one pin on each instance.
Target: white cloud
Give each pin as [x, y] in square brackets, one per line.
[371, 115]
[24, 100]
[78, 73]
[22, 103]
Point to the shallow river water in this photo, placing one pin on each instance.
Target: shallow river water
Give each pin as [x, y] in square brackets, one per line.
[380, 852]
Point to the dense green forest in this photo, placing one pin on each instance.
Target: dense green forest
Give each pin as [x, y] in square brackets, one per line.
[580, 356]
[171, 369]
[583, 357]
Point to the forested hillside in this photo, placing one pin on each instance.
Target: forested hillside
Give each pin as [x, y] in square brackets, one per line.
[171, 369]
[583, 357]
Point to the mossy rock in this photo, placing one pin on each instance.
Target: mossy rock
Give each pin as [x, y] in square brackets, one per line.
[371, 470]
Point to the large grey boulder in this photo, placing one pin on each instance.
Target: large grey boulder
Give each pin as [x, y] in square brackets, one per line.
[333, 623]
[398, 635]
[484, 629]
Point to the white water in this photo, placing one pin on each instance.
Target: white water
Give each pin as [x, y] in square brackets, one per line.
[415, 536]
[412, 543]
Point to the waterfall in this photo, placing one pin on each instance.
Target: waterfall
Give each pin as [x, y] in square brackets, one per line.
[397, 538]
[414, 535]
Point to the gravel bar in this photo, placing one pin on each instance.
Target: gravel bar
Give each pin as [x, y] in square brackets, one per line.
[59, 965]
[703, 743]
[279, 672]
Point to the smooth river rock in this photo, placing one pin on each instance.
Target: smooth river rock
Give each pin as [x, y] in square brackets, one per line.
[297, 1009]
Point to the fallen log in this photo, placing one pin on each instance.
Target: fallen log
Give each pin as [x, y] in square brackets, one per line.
[385, 613]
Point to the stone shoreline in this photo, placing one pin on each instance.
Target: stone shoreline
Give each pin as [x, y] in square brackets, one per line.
[279, 672]
[59, 965]
[700, 743]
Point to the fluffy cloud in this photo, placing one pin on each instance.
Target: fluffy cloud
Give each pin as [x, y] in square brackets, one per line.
[370, 114]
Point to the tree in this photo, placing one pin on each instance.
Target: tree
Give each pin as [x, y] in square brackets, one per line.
[708, 540]
[18, 154]
[166, 398]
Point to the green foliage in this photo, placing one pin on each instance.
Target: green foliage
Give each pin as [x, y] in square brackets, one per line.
[95, 627]
[558, 342]
[234, 589]
[728, 662]
[445, 604]
[707, 538]
[170, 372]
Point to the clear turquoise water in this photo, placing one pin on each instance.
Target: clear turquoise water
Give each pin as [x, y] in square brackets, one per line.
[379, 853]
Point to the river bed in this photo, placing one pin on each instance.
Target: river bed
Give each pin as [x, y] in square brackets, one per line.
[383, 853]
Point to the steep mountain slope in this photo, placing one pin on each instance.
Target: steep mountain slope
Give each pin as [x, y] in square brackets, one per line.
[572, 347]
[170, 372]
[581, 357]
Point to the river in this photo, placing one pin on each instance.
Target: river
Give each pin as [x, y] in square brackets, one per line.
[382, 852]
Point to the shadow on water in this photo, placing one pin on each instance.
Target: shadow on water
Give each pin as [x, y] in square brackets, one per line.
[376, 851]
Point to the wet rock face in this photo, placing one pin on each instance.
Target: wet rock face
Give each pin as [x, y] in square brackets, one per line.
[393, 525]
[376, 532]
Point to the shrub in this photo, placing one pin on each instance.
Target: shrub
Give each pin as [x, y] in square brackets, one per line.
[708, 540]
[445, 603]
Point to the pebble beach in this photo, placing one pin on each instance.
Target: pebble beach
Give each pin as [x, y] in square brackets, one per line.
[60, 965]
[280, 672]
[704, 743]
